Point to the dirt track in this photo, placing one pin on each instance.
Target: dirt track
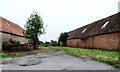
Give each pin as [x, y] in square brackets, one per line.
[52, 60]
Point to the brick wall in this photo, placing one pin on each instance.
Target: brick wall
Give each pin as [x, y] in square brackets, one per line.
[88, 43]
[80, 43]
[119, 40]
[72, 42]
[106, 41]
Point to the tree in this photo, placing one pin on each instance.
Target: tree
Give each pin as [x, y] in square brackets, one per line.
[41, 42]
[34, 28]
[54, 43]
[63, 38]
[47, 44]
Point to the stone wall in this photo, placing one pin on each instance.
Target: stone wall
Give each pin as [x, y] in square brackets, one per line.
[106, 41]
[6, 37]
[21, 47]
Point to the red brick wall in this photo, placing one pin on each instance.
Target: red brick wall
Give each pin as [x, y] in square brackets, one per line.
[72, 42]
[106, 41]
[80, 43]
[88, 43]
[119, 40]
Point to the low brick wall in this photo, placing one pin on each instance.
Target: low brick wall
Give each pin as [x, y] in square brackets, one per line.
[21, 47]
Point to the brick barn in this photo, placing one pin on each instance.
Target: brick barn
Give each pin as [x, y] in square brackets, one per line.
[10, 30]
[103, 34]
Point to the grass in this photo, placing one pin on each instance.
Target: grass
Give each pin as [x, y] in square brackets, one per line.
[110, 57]
[13, 54]
[3, 56]
[105, 56]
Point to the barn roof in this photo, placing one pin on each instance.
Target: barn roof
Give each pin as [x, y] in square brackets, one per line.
[10, 27]
[104, 26]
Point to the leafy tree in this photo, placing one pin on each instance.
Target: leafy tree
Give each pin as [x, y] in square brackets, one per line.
[54, 43]
[34, 28]
[63, 38]
[41, 42]
[46, 44]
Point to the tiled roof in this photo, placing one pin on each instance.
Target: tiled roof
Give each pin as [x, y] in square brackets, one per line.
[106, 25]
[10, 27]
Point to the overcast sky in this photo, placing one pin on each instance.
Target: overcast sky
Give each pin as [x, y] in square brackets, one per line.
[59, 15]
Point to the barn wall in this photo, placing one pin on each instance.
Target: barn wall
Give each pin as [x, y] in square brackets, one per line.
[72, 42]
[88, 43]
[6, 37]
[119, 40]
[106, 41]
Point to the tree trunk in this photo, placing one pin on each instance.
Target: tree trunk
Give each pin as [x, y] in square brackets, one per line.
[35, 43]
[34, 46]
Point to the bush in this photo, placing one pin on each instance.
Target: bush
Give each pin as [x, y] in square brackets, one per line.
[6, 45]
[63, 38]
[54, 43]
[46, 44]
[17, 42]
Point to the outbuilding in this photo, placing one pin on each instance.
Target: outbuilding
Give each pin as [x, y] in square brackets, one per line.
[103, 34]
[10, 30]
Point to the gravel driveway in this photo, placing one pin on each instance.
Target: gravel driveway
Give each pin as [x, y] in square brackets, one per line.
[52, 60]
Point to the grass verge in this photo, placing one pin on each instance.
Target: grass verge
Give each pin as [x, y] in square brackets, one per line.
[3, 56]
[13, 54]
